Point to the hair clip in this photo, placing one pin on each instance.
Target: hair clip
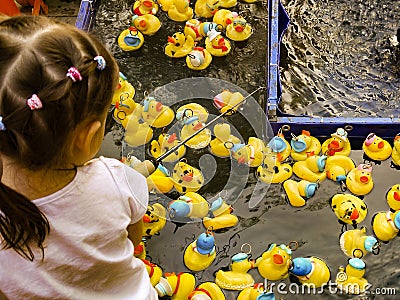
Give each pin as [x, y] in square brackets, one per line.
[74, 74]
[34, 102]
[2, 126]
[101, 62]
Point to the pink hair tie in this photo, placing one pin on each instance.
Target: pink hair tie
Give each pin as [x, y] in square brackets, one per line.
[34, 102]
[74, 74]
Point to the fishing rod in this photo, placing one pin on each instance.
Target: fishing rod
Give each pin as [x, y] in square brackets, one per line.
[168, 152]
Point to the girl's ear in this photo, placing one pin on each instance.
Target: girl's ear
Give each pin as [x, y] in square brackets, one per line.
[84, 138]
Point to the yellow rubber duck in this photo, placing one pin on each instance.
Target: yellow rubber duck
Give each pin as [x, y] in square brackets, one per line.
[303, 144]
[274, 263]
[224, 17]
[180, 11]
[240, 30]
[140, 251]
[164, 143]
[386, 225]
[279, 147]
[189, 205]
[186, 178]
[223, 136]
[226, 100]
[130, 39]
[237, 278]
[351, 279]
[227, 3]
[198, 59]
[222, 216]
[216, 44]
[349, 209]
[356, 242]
[338, 166]
[192, 28]
[251, 154]
[200, 254]
[393, 197]
[144, 7]
[359, 180]
[337, 144]
[177, 286]
[396, 152]
[311, 169]
[136, 133]
[207, 291]
[206, 8]
[154, 271]
[192, 125]
[156, 114]
[179, 45]
[310, 271]
[376, 148]
[126, 107]
[124, 90]
[160, 180]
[154, 219]
[147, 24]
[190, 110]
[165, 4]
[205, 27]
[272, 171]
[298, 192]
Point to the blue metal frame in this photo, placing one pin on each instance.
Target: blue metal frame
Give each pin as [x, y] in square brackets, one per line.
[87, 14]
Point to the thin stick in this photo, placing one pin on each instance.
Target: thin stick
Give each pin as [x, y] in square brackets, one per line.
[161, 157]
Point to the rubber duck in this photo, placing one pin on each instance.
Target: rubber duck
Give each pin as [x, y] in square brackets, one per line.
[386, 225]
[272, 171]
[310, 271]
[201, 253]
[124, 90]
[186, 178]
[302, 144]
[192, 28]
[160, 180]
[349, 209]
[227, 3]
[147, 24]
[179, 45]
[164, 143]
[207, 291]
[222, 133]
[338, 166]
[136, 133]
[156, 114]
[359, 180]
[396, 152]
[154, 271]
[190, 110]
[154, 219]
[298, 192]
[274, 263]
[393, 197]
[222, 216]
[206, 8]
[206, 27]
[224, 17]
[126, 107]
[144, 7]
[351, 279]
[130, 39]
[337, 144]
[140, 250]
[180, 11]
[279, 147]
[251, 154]
[198, 59]
[376, 148]
[239, 30]
[192, 125]
[165, 4]
[177, 286]
[189, 205]
[226, 100]
[256, 292]
[311, 169]
[237, 277]
[356, 242]
[216, 44]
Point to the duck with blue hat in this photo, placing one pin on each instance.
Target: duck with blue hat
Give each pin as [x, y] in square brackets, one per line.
[312, 168]
[357, 242]
[298, 192]
[386, 225]
[189, 205]
[156, 114]
[222, 216]
[310, 271]
[251, 154]
[280, 146]
[338, 144]
[201, 253]
[256, 292]
[351, 279]
[303, 145]
[192, 124]
[190, 110]
[130, 39]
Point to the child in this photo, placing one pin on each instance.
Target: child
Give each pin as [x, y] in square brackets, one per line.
[65, 220]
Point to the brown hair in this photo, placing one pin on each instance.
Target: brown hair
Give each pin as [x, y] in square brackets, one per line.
[35, 55]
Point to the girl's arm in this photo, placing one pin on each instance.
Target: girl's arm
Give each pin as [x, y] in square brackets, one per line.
[135, 232]
[2, 296]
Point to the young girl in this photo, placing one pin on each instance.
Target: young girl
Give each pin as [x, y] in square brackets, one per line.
[66, 221]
